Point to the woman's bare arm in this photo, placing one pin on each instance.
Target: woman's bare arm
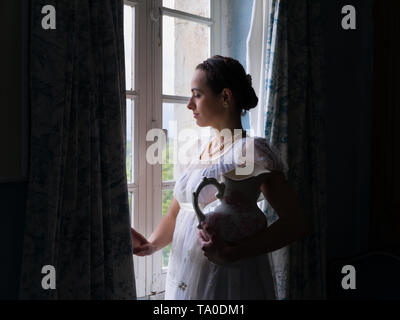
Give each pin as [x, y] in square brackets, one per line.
[290, 226]
[162, 235]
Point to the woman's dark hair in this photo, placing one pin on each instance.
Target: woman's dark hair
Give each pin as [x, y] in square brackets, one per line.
[225, 72]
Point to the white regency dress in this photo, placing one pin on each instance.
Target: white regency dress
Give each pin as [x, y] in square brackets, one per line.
[190, 275]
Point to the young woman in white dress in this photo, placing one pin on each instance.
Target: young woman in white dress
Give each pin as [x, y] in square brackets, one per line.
[199, 267]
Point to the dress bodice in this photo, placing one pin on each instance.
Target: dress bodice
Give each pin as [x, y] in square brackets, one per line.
[187, 183]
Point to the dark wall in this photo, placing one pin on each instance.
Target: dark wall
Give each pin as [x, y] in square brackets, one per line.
[349, 103]
[12, 194]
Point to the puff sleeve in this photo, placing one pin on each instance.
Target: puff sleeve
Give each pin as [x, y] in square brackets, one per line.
[259, 151]
[267, 156]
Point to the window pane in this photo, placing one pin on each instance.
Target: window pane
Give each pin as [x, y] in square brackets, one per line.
[130, 122]
[198, 7]
[129, 40]
[176, 118]
[131, 199]
[165, 255]
[166, 202]
[168, 166]
[185, 45]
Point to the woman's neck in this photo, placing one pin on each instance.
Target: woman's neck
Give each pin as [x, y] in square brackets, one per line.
[222, 137]
[235, 129]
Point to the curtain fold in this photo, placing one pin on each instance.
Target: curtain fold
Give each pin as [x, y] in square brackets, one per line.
[77, 214]
[295, 125]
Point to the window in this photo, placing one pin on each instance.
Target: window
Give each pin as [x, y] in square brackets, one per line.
[164, 41]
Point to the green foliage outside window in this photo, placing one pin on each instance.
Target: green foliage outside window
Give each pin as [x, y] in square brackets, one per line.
[167, 175]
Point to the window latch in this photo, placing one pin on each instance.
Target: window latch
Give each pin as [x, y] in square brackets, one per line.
[155, 14]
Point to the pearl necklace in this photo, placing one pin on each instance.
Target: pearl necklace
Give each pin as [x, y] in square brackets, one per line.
[217, 150]
[211, 153]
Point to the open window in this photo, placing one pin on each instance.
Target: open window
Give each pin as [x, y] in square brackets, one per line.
[164, 42]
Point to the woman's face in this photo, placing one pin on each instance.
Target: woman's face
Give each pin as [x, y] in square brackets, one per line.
[206, 106]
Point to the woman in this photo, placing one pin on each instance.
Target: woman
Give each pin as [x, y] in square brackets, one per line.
[198, 265]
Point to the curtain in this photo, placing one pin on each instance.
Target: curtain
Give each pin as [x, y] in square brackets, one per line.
[295, 126]
[77, 213]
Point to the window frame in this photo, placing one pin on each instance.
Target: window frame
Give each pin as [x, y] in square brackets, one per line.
[148, 185]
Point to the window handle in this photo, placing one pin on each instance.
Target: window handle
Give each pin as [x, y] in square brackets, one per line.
[155, 14]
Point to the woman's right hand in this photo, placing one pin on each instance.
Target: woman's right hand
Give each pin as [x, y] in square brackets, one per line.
[215, 249]
[141, 247]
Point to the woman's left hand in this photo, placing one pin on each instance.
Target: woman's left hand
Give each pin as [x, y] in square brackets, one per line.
[214, 247]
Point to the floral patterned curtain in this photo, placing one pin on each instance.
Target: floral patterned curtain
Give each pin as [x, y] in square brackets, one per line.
[77, 216]
[295, 126]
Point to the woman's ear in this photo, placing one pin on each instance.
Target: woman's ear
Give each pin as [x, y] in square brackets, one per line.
[226, 95]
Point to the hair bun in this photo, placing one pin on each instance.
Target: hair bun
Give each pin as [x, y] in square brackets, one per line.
[249, 80]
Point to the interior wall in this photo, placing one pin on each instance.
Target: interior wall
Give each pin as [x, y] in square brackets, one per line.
[348, 87]
[238, 19]
[239, 13]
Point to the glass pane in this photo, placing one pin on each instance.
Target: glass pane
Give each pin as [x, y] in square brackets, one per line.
[185, 45]
[165, 255]
[131, 200]
[178, 122]
[129, 42]
[166, 202]
[168, 167]
[130, 138]
[198, 7]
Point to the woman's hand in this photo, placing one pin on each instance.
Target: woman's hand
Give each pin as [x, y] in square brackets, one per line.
[141, 247]
[215, 249]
